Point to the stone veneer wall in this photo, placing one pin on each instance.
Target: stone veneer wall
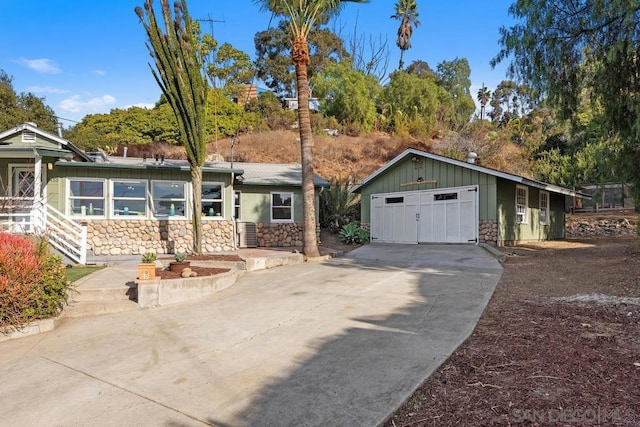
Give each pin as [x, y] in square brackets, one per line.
[488, 232]
[127, 237]
[279, 235]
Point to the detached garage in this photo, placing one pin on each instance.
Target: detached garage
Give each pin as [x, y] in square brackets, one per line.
[420, 197]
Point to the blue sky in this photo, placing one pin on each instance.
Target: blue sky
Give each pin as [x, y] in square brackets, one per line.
[88, 57]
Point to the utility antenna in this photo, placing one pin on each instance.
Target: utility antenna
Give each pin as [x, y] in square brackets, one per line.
[211, 21]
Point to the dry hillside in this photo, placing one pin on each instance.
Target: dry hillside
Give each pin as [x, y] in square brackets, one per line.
[341, 156]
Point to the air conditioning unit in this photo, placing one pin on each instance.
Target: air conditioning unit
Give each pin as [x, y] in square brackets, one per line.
[247, 234]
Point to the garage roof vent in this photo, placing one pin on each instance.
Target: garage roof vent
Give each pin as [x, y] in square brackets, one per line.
[472, 157]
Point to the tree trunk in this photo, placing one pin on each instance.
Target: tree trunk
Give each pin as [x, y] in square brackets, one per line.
[310, 241]
[401, 64]
[196, 208]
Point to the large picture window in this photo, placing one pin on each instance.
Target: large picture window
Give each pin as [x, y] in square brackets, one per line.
[522, 204]
[282, 207]
[129, 198]
[86, 197]
[169, 198]
[212, 199]
[544, 207]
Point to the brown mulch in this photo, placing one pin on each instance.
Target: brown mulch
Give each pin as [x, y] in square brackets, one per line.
[535, 359]
[201, 271]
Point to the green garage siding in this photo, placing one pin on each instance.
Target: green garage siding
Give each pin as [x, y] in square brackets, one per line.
[511, 232]
[408, 172]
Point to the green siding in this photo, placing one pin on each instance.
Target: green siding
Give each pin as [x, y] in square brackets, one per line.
[40, 142]
[256, 202]
[510, 232]
[445, 175]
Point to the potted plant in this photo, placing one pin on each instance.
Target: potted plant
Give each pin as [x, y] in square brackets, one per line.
[180, 263]
[147, 268]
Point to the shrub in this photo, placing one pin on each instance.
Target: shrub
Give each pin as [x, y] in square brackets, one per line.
[353, 234]
[338, 206]
[33, 282]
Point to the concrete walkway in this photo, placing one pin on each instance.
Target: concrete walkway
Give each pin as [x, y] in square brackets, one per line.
[339, 343]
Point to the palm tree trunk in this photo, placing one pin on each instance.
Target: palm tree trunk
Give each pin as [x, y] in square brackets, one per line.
[196, 182]
[310, 241]
[401, 64]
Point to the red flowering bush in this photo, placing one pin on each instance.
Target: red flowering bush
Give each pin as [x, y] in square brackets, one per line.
[32, 282]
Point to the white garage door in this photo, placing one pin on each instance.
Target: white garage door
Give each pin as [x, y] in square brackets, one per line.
[446, 215]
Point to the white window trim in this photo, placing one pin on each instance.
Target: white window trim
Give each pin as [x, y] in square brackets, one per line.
[104, 197]
[237, 204]
[525, 220]
[546, 210]
[222, 199]
[112, 199]
[271, 207]
[186, 200]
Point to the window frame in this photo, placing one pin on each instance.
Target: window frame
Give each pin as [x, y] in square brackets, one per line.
[153, 200]
[113, 198]
[522, 217]
[68, 208]
[237, 204]
[280, 220]
[221, 200]
[546, 209]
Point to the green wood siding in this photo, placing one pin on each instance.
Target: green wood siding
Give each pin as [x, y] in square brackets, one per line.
[510, 232]
[445, 175]
[40, 142]
[256, 202]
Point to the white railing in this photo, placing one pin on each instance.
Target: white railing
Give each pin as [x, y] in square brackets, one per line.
[66, 235]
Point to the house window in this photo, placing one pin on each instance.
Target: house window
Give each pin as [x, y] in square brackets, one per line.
[281, 207]
[544, 207]
[237, 197]
[522, 204]
[86, 197]
[212, 199]
[129, 198]
[168, 198]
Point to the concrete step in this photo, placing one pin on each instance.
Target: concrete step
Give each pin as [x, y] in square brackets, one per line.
[119, 293]
[96, 308]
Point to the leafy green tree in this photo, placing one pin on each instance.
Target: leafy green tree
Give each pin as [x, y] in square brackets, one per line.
[455, 77]
[16, 109]
[301, 16]
[407, 14]
[562, 47]
[178, 72]
[338, 205]
[347, 95]
[511, 100]
[483, 97]
[273, 58]
[413, 102]
[421, 69]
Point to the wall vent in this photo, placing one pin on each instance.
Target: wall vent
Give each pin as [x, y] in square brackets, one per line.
[247, 235]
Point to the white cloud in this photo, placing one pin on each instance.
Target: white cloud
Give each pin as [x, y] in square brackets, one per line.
[41, 65]
[76, 105]
[100, 72]
[45, 89]
[146, 106]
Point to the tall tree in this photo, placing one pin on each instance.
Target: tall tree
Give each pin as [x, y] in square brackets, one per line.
[484, 95]
[273, 48]
[301, 16]
[455, 77]
[565, 46]
[18, 108]
[407, 14]
[178, 72]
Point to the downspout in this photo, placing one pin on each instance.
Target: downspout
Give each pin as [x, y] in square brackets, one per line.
[234, 225]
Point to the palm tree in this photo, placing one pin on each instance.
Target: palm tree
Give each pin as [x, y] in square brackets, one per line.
[302, 16]
[484, 95]
[407, 13]
[178, 72]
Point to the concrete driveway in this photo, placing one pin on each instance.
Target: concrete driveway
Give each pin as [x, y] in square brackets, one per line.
[341, 343]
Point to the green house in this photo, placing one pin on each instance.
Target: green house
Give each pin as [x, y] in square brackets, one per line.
[420, 197]
[108, 205]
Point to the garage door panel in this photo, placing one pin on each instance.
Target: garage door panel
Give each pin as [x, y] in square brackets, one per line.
[447, 215]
